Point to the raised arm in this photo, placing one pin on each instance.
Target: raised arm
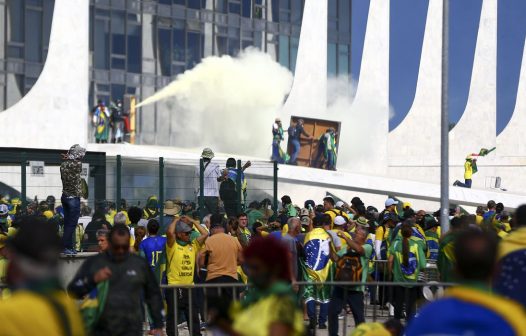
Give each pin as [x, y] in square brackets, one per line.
[170, 233]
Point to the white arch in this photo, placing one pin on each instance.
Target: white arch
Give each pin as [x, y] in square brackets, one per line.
[54, 113]
[477, 126]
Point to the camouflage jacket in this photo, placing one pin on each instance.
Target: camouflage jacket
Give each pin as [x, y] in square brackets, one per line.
[71, 181]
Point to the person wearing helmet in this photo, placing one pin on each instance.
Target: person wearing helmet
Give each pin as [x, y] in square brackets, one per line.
[72, 190]
[470, 168]
[211, 176]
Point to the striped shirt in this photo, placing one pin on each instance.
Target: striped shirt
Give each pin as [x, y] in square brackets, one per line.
[211, 174]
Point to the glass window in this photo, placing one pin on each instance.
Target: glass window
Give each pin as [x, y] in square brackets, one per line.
[294, 43]
[333, 8]
[15, 52]
[34, 36]
[167, 2]
[134, 51]
[245, 44]
[118, 39]
[164, 52]
[193, 51]
[221, 6]
[233, 46]
[101, 44]
[179, 2]
[178, 45]
[195, 4]
[118, 63]
[246, 8]
[296, 12]
[117, 91]
[48, 16]
[16, 20]
[344, 18]
[284, 51]
[221, 45]
[275, 11]
[284, 4]
[331, 59]
[343, 59]
[234, 8]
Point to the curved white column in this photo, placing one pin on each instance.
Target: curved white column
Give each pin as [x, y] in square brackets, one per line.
[308, 96]
[363, 140]
[416, 141]
[54, 113]
[477, 126]
[511, 141]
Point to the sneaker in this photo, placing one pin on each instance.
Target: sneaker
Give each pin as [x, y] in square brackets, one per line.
[69, 252]
[203, 326]
[456, 183]
[322, 326]
[391, 309]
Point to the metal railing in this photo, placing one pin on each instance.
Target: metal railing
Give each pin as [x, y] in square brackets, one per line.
[238, 289]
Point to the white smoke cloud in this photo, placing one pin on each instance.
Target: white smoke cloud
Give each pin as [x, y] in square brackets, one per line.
[226, 103]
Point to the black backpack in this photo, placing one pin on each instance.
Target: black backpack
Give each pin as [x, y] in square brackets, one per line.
[227, 190]
[349, 268]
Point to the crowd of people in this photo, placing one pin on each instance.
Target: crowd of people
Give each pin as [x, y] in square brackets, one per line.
[286, 271]
[111, 123]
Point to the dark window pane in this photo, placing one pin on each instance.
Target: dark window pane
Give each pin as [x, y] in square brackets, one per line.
[164, 52]
[333, 8]
[34, 36]
[134, 48]
[118, 63]
[331, 59]
[221, 43]
[284, 51]
[37, 3]
[118, 44]
[296, 12]
[284, 4]
[221, 6]
[343, 59]
[16, 20]
[166, 2]
[101, 41]
[117, 92]
[246, 44]
[178, 2]
[294, 43]
[275, 11]
[193, 52]
[48, 16]
[344, 16]
[247, 8]
[195, 4]
[179, 45]
[16, 52]
[233, 47]
[234, 8]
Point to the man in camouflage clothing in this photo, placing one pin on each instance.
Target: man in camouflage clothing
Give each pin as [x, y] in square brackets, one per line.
[70, 171]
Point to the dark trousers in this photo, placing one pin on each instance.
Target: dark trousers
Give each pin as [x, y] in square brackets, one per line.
[338, 300]
[311, 312]
[210, 205]
[404, 297]
[466, 184]
[230, 207]
[227, 293]
[71, 206]
[183, 305]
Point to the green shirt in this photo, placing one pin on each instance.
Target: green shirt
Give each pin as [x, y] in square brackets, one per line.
[253, 216]
[417, 262]
[446, 257]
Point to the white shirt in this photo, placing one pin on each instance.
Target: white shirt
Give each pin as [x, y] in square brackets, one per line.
[211, 174]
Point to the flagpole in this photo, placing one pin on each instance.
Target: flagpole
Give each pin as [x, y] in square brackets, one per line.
[444, 124]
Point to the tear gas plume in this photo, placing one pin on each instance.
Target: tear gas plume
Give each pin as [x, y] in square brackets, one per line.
[226, 103]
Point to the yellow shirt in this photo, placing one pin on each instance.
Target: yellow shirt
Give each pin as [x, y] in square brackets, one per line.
[181, 263]
[371, 329]
[468, 170]
[26, 313]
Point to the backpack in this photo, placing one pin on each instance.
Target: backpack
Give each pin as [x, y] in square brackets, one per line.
[349, 268]
[227, 190]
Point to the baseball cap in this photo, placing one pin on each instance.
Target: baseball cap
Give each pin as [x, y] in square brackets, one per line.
[182, 227]
[390, 202]
[339, 204]
[305, 220]
[4, 210]
[339, 220]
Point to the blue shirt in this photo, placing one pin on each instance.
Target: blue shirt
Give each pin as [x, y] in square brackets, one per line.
[153, 248]
[451, 316]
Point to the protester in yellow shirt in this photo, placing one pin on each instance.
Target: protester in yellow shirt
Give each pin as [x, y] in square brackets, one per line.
[181, 255]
